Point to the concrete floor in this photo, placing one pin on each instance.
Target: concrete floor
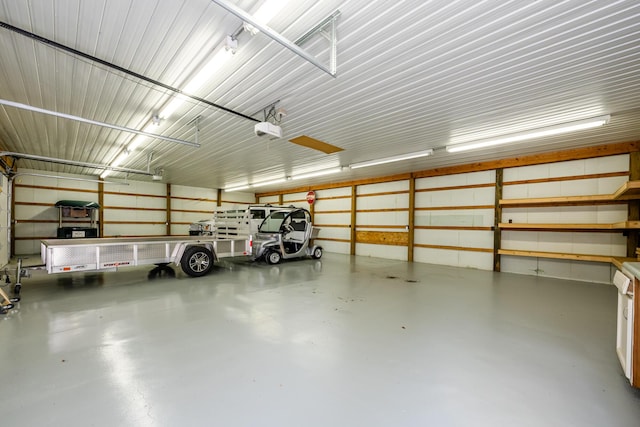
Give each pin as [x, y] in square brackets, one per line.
[345, 341]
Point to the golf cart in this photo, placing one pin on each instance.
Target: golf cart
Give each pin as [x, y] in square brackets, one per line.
[285, 235]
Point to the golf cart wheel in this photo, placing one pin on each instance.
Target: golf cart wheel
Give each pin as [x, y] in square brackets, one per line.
[273, 257]
[197, 261]
[317, 253]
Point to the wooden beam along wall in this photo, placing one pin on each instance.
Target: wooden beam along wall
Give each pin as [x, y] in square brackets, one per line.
[383, 234]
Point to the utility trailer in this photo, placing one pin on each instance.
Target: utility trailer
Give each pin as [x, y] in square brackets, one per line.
[195, 255]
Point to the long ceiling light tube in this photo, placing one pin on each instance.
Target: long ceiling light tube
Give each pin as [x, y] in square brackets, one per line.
[531, 134]
[231, 8]
[315, 174]
[94, 122]
[72, 163]
[398, 158]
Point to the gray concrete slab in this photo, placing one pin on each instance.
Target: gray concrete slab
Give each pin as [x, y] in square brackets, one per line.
[343, 341]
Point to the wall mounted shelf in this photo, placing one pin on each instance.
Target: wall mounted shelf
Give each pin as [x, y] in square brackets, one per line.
[628, 191]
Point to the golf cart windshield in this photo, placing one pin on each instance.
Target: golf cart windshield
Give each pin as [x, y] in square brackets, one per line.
[273, 222]
[279, 222]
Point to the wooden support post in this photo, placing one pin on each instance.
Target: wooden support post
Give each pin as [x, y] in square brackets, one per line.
[101, 209]
[219, 198]
[412, 217]
[13, 218]
[633, 212]
[352, 238]
[497, 218]
[168, 229]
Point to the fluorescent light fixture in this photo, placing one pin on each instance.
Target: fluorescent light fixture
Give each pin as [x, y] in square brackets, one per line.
[255, 184]
[399, 158]
[263, 183]
[314, 174]
[535, 133]
[289, 178]
[238, 188]
[265, 13]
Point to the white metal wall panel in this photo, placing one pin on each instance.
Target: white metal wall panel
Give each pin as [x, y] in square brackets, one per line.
[607, 244]
[457, 180]
[601, 214]
[296, 199]
[456, 197]
[344, 192]
[134, 215]
[587, 272]
[382, 251]
[333, 218]
[273, 200]
[237, 198]
[570, 168]
[335, 247]
[382, 219]
[333, 207]
[152, 207]
[5, 204]
[129, 203]
[383, 187]
[578, 187]
[455, 218]
[463, 238]
[454, 192]
[207, 194]
[572, 242]
[326, 204]
[117, 230]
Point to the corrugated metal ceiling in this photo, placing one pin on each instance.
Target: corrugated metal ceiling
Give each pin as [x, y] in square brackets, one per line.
[412, 75]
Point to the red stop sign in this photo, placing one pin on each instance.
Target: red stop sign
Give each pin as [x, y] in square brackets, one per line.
[311, 197]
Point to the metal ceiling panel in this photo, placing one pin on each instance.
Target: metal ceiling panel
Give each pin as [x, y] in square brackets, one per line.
[412, 75]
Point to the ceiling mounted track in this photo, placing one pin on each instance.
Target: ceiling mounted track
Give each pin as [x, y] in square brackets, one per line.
[94, 122]
[294, 47]
[9, 170]
[92, 58]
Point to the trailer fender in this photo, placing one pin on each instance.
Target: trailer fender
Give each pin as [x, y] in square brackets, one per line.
[179, 250]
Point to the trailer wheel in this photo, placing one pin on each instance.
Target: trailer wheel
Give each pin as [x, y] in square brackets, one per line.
[317, 253]
[273, 257]
[197, 261]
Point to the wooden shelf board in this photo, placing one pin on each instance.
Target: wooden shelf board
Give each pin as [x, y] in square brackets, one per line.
[623, 225]
[628, 191]
[617, 261]
[566, 200]
[558, 255]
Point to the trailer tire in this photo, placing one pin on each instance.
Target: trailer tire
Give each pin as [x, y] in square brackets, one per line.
[273, 257]
[317, 253]
[196, 261]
